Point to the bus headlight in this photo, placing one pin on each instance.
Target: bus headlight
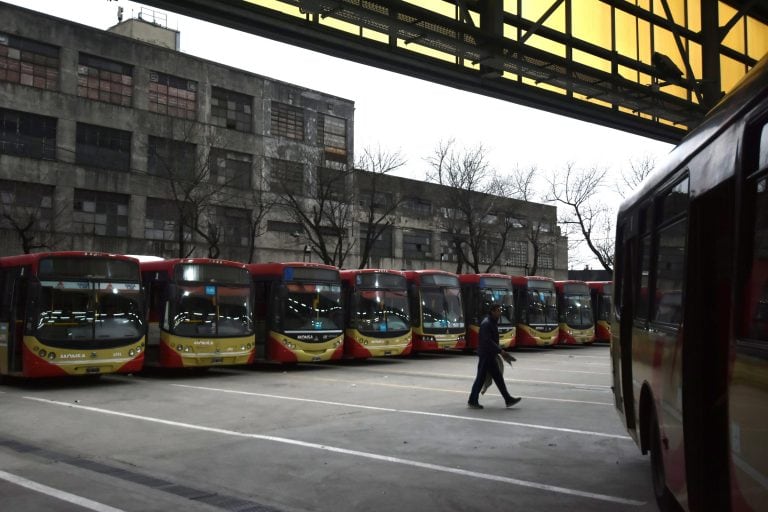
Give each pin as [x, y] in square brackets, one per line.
[288, 344]
[242, 348]
[131, 353]
[186, 349]
[51, 356]
[42, 353]
[180, 348]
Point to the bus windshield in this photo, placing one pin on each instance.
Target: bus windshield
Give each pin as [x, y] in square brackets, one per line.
[89, 314]
[441, 309]
[313, 307]
[501, 296]
[379, 312]
[212, 310]
[577, 311]
[542, 308]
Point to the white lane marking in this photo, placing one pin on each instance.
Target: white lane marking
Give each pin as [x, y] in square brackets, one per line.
[356, 453]
[472, 377]
[463, 392]
[55, 493]
[405, 411]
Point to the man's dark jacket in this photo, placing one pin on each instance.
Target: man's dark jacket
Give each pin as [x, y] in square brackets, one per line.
[488, 343]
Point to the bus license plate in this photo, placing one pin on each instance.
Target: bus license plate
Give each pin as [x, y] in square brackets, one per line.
[217, 360]
[316, 358]
[92, 370]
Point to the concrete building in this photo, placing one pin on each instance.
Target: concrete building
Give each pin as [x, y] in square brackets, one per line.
[115, 141]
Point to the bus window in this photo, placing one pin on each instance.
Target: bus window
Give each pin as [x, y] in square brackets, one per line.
[757, 286]
[643, 292]
[670, 270]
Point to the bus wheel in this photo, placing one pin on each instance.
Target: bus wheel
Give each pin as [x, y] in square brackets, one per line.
[664, 498]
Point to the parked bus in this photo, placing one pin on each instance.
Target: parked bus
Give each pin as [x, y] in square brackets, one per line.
[478, 292]
[377, 318]
[298, 312]
[690, 347]
[437, 315]
[200, 313]
[574, 307]
[601, 293]
[535, 311]
[70, 313]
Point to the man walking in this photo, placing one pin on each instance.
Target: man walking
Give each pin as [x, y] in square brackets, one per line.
[487, 350]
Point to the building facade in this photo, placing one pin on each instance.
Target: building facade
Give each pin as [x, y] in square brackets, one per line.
[115, 141]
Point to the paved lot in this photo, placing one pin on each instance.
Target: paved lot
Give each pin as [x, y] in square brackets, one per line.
[379, 435]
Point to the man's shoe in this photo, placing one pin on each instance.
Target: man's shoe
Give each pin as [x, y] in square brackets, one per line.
[474, 405]
[512, 401]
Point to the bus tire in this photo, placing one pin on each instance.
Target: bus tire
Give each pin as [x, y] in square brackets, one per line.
[664, 499]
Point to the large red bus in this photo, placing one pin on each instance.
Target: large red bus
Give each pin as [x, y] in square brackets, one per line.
[70, 313]
[690, 336]
[601, 293]
[200, 313]
[478, 292]
[297, 312]
[437, 315]
[377, 318]
[574, 307]
[535, 311]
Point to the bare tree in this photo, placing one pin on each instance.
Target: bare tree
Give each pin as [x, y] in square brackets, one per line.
[185, 164]
[522, 185]
[377, 208]
[472, 214]
[259, 206]
[585, 215]
[325, 212]
[23, 210]
[631, 178]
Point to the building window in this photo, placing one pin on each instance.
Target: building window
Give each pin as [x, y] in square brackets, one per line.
[230, 168]
[286, 176]
[332, 135]
[231, 109]
[377, 200]
[331, 184]
[100, 213]
[29, 135]
[104, 80]
[418, 205]
[27, 62]
[382, 245]
[547, 256]
[280, 226]
[98, 146]
[235, 225]
[161, 221]
[517, 253]
[171, 159]
[26, 203]
[172, 96]
[287, 121]
[417, 244]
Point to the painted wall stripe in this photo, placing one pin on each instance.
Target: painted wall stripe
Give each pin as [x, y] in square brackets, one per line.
[356, 453]
[55, 493]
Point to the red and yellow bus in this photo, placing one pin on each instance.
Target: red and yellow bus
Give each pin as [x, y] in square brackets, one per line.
[602, 308]
[478, 292]
[297, 311]
[377, 318]
[535, 311]
[574, 307]
[690, 334]
[71, 313]
[437, 314]
[200, 313]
